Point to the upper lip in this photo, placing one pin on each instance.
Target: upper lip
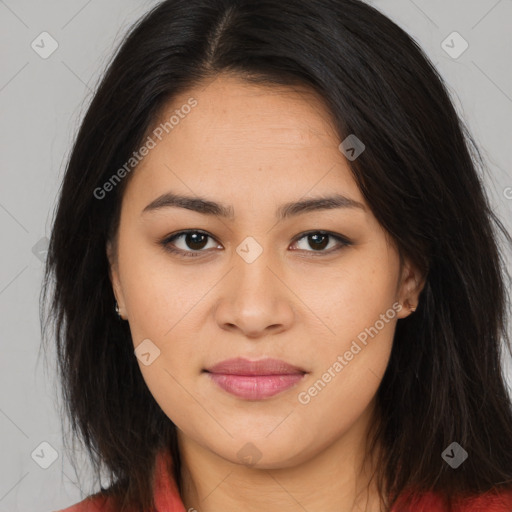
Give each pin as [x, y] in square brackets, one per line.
[241, 366]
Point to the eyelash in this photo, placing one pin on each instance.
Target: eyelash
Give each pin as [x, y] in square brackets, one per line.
[345, 242]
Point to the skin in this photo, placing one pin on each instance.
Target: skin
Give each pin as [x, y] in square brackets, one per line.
[254, 148]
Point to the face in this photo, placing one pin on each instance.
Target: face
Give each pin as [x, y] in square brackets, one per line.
[314, 286]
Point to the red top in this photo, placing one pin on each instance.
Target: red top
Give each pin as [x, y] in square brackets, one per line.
[167, 498]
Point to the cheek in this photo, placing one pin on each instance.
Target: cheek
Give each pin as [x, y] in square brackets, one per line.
[360, 308]
[166, 307]
[355, 293]
[350, 364]
[161, 303]
[158, 295]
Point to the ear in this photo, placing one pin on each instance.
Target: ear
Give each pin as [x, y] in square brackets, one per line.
[113, 271]
[411, 283]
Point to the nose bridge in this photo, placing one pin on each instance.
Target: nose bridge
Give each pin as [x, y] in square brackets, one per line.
[255, 298]
[253, 262]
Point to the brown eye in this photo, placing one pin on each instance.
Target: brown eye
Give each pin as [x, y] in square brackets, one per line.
[319, 240]
[192, 243]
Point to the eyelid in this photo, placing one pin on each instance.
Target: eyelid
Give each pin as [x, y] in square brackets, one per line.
[166, 242]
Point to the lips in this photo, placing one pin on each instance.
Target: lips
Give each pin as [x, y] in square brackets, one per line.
[241, 366]
[255, 380]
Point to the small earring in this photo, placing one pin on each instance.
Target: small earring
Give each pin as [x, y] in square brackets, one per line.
[117, 310]
[412, 309]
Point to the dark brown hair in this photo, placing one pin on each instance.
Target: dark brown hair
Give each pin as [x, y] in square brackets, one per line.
[419, 174]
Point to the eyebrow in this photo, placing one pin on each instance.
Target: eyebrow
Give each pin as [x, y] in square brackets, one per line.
[209, 207]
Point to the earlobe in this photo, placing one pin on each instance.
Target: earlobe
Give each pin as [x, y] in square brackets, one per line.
[412, 283]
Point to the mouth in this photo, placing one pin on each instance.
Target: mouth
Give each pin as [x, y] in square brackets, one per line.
[255, 380]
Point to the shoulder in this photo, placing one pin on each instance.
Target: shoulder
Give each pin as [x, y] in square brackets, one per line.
[489, 502]
[94, 503]
[166, 494]
[492, 501]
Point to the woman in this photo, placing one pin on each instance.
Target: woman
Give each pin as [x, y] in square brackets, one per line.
[278, 282]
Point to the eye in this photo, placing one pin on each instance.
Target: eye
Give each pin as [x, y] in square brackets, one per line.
[192, 239]
[319, 240]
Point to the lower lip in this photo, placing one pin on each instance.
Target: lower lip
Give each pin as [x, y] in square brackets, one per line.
[255, 387]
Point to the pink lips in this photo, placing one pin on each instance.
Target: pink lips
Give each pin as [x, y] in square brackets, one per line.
[255, 380]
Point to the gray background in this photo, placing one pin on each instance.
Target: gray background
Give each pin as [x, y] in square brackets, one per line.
[42, 102]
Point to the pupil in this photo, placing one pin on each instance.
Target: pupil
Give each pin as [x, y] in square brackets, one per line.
[315, 237]
[191, 240]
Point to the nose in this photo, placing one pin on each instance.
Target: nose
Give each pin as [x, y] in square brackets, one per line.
[255, 299]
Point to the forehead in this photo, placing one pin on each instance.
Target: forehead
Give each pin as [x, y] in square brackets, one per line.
[242, 139]
[294, 113]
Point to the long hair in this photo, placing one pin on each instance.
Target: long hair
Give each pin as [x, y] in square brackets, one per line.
[420, 175]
